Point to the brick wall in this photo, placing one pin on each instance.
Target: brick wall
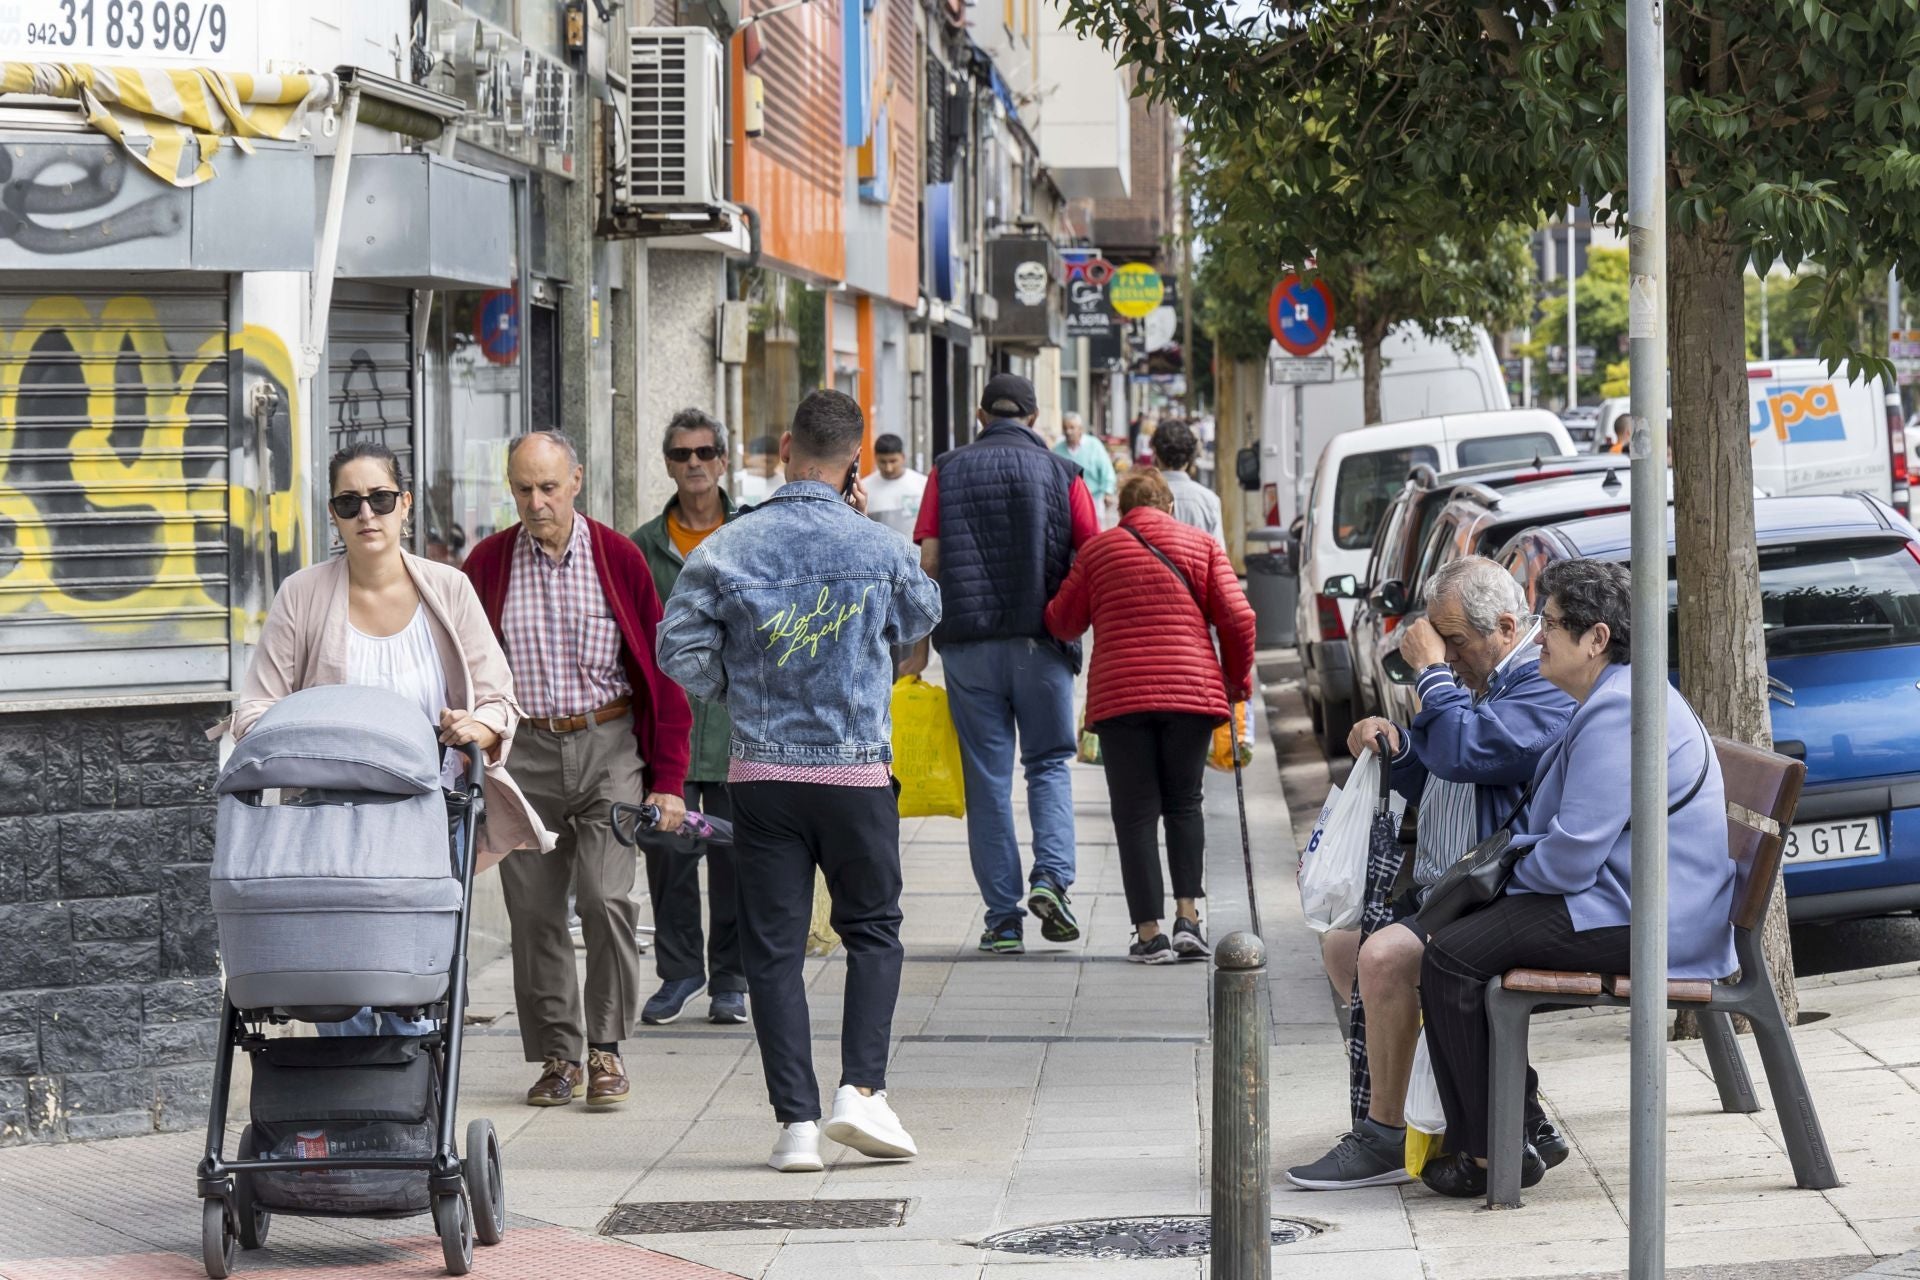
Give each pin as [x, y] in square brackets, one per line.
[109, 987]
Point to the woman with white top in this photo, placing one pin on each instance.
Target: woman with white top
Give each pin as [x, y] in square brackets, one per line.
[381, 616]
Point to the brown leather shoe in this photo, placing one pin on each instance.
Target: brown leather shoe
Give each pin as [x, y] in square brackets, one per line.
[606, 1078]
[560, 1083]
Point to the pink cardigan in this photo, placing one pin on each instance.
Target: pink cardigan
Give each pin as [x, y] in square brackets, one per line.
[305, 643]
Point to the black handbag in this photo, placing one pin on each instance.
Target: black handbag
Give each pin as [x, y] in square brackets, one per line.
[1484, 872]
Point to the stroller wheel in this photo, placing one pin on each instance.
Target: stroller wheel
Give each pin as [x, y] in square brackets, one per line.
[485, 1188]
[453, 1216]
[218, 1244]
[254, 1220]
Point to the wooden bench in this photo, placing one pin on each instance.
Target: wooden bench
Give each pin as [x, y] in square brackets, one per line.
[1762, 789]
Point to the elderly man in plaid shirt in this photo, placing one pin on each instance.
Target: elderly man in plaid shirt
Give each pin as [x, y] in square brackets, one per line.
[574, 605]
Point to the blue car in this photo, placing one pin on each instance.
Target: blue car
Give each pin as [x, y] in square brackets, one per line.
[1840, 599]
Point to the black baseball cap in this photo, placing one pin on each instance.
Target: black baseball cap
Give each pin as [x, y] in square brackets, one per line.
[1010, 396]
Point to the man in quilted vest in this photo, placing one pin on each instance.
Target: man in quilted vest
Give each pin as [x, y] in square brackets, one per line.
[999, 523]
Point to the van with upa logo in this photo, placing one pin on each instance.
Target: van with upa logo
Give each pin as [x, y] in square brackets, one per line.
[1817, 432]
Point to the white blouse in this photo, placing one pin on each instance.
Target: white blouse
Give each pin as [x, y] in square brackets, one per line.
[408, 663]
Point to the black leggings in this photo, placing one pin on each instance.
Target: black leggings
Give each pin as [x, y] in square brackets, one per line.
[1156, 764]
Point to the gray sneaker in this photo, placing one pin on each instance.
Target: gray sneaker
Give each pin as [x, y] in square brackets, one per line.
[1365, 1157]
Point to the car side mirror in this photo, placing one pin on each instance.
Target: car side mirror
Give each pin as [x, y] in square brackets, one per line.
[1342, 586]
[1389, 599]
[1246, 468]
[1397, 669]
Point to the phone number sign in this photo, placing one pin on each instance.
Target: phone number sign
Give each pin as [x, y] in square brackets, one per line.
[222, 32]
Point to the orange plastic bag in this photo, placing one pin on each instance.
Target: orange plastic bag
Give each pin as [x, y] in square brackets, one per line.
[1234, 738]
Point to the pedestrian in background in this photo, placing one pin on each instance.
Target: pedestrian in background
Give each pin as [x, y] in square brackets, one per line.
[787, 616]
[573, 604]
[1175, 447]
[894, 489]
[1155, 693]
[761, 474]
[1096, 464]
[999, 524]
[1622, 434]
[695, 451]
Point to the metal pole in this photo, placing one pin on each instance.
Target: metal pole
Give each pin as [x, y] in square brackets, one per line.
[1893, 304]
[1766, 338]
[1647, 354]
[1573, 323]
[1526, 370]
[1242, 1209]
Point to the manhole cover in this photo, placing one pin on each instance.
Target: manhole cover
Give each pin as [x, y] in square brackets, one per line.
[671, 1216]
[1130, 1237]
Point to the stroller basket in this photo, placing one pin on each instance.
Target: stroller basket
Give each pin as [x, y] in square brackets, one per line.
[342, 894]
[353, 1096]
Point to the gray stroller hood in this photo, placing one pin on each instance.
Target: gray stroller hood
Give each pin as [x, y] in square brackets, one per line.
[338, 737]
[344, 894]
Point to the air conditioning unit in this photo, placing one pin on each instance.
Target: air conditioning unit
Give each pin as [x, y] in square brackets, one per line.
[676, 143]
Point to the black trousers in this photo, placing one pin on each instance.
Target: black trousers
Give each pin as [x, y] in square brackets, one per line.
[782, 830]
[673, 882]
[1522, 930]
[1156, 763]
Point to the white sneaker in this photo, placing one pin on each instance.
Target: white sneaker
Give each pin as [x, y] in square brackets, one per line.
[868, 1125]
[797, 1149]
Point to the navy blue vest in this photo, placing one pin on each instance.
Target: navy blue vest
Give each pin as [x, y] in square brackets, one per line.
[1006, 535]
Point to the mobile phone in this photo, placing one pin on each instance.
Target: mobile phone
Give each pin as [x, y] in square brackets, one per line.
[853, 473]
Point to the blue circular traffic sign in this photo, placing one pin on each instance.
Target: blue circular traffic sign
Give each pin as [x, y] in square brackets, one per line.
[496, 326]
[1300, 315]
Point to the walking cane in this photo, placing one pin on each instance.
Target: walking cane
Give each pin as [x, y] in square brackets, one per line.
[1246, 841]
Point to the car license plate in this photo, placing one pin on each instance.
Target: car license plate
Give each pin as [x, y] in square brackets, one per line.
[1832, 841]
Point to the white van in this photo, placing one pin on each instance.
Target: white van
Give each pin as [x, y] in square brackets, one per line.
[1356, 477]
[1816, 432]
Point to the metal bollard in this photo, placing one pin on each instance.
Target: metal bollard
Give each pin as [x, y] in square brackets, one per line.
[1242, 1152]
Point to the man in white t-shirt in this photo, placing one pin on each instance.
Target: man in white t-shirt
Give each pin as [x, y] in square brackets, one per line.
[894, 489]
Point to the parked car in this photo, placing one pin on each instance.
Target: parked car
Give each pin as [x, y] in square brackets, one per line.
[1383, 595]
[1421, 377]
[1354, 483]
[1581, 421]
[1477, 519]
[1818, 432]
[1840, 601]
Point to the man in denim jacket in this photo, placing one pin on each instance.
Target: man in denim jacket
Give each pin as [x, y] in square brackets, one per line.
[788, 615]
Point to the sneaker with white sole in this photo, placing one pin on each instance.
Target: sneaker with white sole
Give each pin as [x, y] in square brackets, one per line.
[1370, 1155]
[867, 1124]
[797, 1149]
[1189, 943]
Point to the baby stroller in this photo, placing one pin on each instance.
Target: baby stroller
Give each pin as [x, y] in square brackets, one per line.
[350, 894]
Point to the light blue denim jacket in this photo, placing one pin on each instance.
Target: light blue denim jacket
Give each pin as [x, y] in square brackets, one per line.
[787, 615]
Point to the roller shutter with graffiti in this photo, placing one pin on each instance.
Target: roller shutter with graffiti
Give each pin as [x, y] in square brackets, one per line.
[134, 530]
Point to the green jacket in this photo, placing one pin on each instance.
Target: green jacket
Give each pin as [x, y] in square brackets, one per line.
[707, 762]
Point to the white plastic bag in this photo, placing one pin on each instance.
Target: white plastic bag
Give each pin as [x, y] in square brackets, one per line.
[1333, 872]
[1424, 1111]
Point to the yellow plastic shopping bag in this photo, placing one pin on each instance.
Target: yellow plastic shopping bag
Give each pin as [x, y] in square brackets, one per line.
[1231, 740]
[926, 752]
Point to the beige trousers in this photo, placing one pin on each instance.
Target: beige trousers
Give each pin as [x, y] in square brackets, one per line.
[571, 778]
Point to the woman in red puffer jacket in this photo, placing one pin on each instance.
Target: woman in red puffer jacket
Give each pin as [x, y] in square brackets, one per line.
[1155, 692]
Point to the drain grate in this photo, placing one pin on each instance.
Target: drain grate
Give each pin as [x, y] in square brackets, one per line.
[1130, 1238]
[669, 1217]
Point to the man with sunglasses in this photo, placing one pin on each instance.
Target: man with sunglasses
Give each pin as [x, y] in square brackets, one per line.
[695, 449]
[575, 608]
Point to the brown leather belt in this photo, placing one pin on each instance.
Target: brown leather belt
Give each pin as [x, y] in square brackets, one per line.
[573, 724]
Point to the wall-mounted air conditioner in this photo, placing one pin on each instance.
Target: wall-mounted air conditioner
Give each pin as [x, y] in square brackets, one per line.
[676, 145]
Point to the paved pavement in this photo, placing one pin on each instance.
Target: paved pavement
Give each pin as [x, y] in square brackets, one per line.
[1059, 1086]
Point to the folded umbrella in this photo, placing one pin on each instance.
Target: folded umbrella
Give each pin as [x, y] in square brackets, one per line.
[1385, 854]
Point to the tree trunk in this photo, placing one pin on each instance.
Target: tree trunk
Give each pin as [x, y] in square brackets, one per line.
[1370, 365]
[1722, 657]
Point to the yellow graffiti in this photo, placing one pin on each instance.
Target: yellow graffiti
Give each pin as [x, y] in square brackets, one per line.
[109, 525]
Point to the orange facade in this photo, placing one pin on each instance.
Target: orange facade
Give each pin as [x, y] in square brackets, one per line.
[793, 173]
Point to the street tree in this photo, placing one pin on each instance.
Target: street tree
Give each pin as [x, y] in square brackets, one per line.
[1600, 296]
[1789, 123]
[1443, 273]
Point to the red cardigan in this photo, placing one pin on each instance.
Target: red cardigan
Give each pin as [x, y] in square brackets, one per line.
[1151, 648]
[662, 718]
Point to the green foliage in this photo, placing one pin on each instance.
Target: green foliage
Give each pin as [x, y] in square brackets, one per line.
[1600, 298]
[1791, 123]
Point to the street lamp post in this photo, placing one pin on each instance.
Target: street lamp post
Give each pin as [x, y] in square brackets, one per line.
[1647, 355]
[1573, 323]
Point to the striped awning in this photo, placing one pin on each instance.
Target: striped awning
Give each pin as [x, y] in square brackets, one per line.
[174, 122]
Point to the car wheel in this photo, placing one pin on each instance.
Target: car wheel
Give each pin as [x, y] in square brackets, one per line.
[1313, 712]
[1336, 724]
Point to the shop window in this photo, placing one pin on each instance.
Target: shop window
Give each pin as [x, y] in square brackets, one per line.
[786, 359]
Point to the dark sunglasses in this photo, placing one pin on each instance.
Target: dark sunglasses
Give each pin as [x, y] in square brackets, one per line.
[705, 452]
[347, 505]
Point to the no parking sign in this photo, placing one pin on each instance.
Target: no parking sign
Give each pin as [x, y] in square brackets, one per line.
[496, 326]
[1300, 315]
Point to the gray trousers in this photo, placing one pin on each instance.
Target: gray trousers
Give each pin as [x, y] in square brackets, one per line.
[571, 778]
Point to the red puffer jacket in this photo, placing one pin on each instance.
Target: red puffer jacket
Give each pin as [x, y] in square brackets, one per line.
[1151, 648]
